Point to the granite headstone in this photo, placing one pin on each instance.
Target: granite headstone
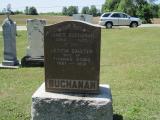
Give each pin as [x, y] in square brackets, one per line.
[9, 36]
[72, 57]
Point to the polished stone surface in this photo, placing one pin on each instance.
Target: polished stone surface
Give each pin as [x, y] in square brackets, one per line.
[72, 57]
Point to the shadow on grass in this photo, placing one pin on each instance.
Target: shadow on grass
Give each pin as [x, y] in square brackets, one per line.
[117, 117]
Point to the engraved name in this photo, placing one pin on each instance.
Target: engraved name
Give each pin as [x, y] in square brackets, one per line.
[72, 84]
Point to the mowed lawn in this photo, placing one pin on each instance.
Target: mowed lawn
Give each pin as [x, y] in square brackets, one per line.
[130, 64]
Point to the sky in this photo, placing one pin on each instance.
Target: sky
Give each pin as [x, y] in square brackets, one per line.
[49, 5]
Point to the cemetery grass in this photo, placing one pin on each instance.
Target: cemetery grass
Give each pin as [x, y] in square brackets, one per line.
[130, 64]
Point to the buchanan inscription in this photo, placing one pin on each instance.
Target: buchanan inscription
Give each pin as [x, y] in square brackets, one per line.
[72, 84]
[72, 57]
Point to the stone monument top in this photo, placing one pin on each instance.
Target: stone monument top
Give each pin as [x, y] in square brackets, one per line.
[72, 57]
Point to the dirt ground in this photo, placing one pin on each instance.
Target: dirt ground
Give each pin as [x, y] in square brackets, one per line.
[156, 21]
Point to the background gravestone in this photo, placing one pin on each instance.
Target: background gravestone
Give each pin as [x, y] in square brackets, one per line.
[9, 36]
[72, 57]
[83, 17]
[35, 49]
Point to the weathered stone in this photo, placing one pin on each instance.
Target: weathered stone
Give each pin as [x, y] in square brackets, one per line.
[9, 36]
[35, 49]
[35, 31]
[54, 106]
[72, 57]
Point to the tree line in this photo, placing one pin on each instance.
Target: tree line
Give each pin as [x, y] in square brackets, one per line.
[92, 10]
[145, 9]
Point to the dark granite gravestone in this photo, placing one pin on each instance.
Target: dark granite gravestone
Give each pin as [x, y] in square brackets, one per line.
[9, 36]
[72, 57]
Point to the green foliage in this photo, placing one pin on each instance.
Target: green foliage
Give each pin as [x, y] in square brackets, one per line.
[70, 10]
[93, 10]
[30, 11]
[18, 12]
[145, 9]
[155, 9]
[85, 10]
[64, 11]
[26, 11]
[33, 11]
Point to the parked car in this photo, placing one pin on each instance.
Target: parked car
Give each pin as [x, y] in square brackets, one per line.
[118, 19]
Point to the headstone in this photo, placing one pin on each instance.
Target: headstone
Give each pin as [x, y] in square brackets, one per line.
[72, 66]
[83, 17]
[72, 57]
[9, 36]
[35, 49]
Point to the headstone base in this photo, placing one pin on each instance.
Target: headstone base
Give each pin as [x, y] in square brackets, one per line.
[55, 106]
[8, 67]
[10, 63]
[32, 62]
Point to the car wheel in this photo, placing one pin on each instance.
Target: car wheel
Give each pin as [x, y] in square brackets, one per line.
[109, 25]
[134, 25]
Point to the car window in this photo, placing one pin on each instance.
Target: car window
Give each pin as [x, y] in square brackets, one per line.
[106, 15]
[116, 15]
[124, 16]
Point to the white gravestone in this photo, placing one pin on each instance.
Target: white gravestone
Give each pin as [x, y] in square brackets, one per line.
[35, 38]
[35, 49]
[83, 17]
[9, 36]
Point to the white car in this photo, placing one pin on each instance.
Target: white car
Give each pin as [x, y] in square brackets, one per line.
[118, 19]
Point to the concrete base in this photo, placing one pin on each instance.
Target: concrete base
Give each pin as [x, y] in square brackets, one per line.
[10, 63]
[55, 106]
[28, 61]
[8, 67]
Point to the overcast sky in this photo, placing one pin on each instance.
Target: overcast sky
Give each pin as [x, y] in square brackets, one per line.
[49, 5]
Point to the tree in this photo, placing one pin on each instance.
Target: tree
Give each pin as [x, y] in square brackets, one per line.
[72, 10]
[127, 6]
[93, 10]
[144, 9]
[113, 4]
[26, 11]
[64, 11]
[147, 13]
[33, 11]
[85, 10]
[155, 9]
[18, 12]
[105, 8]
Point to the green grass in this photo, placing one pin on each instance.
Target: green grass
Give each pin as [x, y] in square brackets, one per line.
[130, 64]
